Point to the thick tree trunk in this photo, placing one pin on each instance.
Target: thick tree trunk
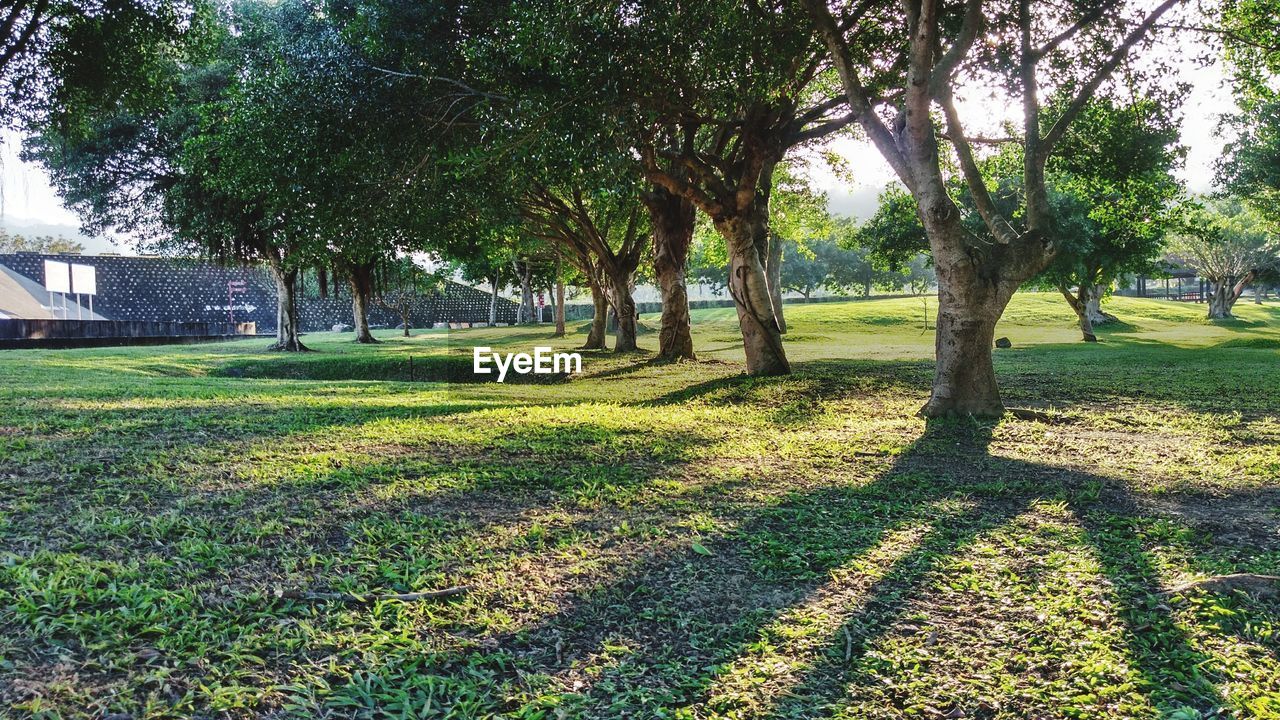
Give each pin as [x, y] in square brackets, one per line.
[749, 287]
[624, 306]
[361, 282]
[773, 271]
[287, 322]
[1220, 302]
[600, 319]
[1093, 307]
[322, 280]
[560, 329]
[673, 220]
[1225, 293]
[965, 379]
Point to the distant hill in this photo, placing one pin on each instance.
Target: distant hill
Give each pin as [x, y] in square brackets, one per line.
[33, 228]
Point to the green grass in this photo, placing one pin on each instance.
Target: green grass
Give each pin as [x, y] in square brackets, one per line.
[647, 540]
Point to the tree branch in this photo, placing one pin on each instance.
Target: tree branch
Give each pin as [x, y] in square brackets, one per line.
[856, 94]
[1086, 93]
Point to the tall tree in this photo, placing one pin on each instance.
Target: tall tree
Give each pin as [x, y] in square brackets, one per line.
[797, 213]
[158, 170]
[1068, 49]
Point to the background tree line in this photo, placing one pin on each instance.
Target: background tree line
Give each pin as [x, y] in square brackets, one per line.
[544, 144]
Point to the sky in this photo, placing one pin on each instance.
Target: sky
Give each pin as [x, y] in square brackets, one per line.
[27, 195]
[29, 201]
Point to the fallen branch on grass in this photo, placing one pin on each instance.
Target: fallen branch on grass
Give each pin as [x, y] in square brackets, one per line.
[1249, 582]
[373, 597]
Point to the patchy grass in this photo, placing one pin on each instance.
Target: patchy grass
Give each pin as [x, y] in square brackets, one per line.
[647, 540]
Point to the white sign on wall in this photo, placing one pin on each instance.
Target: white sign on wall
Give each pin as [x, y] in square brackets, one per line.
[84, 280]
[57, 276]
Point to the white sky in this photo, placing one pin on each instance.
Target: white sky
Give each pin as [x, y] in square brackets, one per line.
[27, 197]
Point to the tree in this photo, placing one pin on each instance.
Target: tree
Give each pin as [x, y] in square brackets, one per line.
[160, 171]
[1112, 190]
[797, 213]
[1230, 245]
[672, 218]
[708, 261]
[894, 234]
[606, 231]
[896, 69]
[401, 286]
[40, 244]
[804, 269]
[711, 96]
[1250, 165]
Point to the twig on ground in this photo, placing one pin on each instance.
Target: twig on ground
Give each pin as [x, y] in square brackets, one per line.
[374, 597]
[1250, 582]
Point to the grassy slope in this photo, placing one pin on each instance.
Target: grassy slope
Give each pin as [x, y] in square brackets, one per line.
[647, 540]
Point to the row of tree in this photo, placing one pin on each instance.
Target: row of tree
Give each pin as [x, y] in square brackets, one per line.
[38, 244]
[594, 137]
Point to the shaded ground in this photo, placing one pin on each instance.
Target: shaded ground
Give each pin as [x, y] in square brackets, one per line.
[646, 540]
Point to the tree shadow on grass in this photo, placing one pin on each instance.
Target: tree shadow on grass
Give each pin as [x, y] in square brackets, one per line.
[667, 633]
[816, 379]
[1173, 670]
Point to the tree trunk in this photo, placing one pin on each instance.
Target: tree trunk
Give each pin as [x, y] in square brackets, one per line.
[964, 382]
[624, 306]
[560, 330]
[1094, 307]
[322, 280]
[361, 282]
[1224, 294]
[673, 219]
[493, 303]
[287, 324]
[749, 287]
[526, 294]
[595, 338]
[1079, 303]
[773, 271]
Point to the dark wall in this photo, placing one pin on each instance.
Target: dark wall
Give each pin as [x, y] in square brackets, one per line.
[89, 333]
[191, 290]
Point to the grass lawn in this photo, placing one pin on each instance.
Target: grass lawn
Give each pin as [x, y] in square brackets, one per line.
[646, 540]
